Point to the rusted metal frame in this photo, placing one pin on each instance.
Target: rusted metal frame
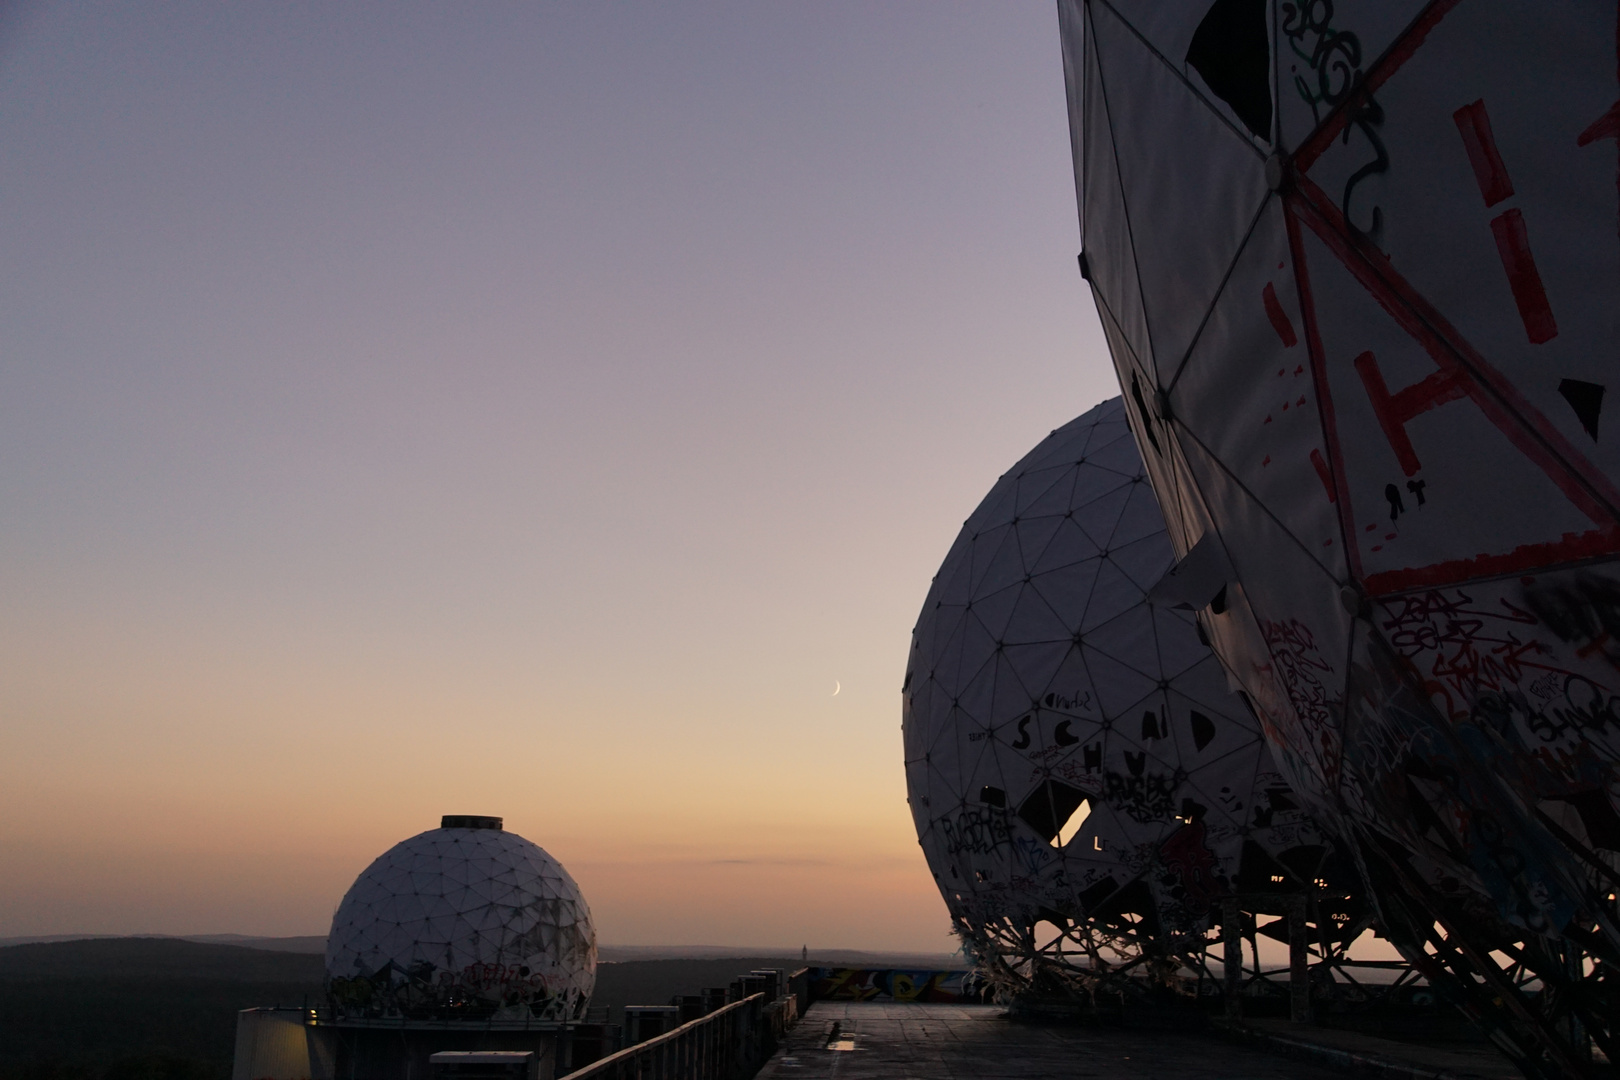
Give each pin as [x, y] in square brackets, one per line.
[1508, 994]
[1573, 993]
[1455, 969]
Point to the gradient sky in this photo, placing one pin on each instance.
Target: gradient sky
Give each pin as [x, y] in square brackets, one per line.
[513, 409]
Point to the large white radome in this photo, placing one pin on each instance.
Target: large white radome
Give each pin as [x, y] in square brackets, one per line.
[470, 922]
[1073, 752]
[1357, 266]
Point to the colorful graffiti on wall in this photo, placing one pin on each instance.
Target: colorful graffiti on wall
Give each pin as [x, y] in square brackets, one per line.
[895, 984]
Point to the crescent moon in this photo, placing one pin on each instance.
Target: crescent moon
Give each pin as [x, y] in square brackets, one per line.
[837, 686]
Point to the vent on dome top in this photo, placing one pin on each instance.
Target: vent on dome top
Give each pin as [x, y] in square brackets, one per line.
[469, 821]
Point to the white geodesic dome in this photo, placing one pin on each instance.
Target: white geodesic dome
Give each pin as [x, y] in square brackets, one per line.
[1073, 753]
[465, 921]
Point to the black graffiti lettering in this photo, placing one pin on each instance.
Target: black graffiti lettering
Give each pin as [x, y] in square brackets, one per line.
[1144, 798]
[1333, 55]
[1416, 488]
[1062, 737]
[975, 831]
[1585, 707]
[1366, 117]
[1079, 703]
[1393, 494]
[1022, 742]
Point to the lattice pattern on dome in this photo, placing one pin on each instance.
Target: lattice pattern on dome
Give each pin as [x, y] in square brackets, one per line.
[1357, 265]
[1072, 750]
[463, 923]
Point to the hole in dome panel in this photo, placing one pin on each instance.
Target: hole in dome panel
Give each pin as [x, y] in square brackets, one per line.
[1051, 807]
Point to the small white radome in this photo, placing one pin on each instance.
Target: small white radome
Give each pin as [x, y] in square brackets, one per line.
[466, 921]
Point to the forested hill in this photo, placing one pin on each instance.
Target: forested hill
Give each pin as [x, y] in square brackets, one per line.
[154, 958]
[137, 1008]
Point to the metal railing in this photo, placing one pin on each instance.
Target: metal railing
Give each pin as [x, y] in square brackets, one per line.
[730, 1043]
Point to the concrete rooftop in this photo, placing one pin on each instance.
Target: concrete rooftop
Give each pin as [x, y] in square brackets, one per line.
[870, 1041]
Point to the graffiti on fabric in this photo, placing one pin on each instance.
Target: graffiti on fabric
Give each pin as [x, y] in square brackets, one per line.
[1538, 665]
[1145, 797]
[1298, 664]
[975, 831]
[1462, 646]
[425, 988]
[865, 984]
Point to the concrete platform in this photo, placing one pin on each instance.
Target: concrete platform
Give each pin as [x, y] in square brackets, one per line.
[977, 1042]
[1371, 1055]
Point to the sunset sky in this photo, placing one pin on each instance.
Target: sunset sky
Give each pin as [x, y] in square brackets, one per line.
[522, 409]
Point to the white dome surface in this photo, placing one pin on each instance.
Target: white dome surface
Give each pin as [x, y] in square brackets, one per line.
[1066, 742]
[463, 922]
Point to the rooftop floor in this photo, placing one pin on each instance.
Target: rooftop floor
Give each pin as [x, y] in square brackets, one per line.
[870, 1041]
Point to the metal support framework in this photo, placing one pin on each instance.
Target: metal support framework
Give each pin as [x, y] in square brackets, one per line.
[1232, 956]
[1121, 959]
[1547, 1003]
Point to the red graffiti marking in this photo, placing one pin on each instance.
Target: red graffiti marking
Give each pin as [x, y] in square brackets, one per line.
[1326, 477]
[1279, 318]
[1369, 84]
[1512, 238]
[1606, 126]
[1317, 357]
[1568, 548]
[1469, 647]
[1513, 244]
[1475, 127]
[1395, 411]
[1502, 403]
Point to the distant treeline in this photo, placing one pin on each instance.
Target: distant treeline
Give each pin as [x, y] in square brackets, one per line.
[136, 1008]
